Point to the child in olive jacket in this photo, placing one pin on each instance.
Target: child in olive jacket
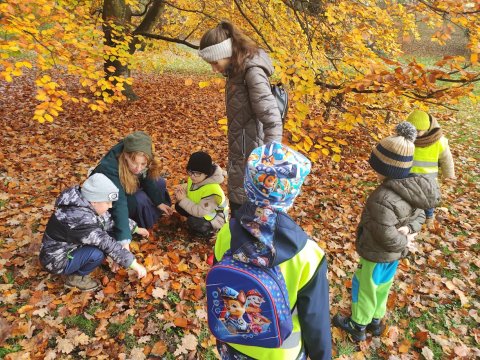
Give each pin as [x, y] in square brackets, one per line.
[392, 216]
[432, 152]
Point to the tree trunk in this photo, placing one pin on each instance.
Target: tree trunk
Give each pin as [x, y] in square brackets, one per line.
[116, 12]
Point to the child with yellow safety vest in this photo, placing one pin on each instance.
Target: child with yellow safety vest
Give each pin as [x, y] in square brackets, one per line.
[202, 199]
[431, 152]
[263, 234]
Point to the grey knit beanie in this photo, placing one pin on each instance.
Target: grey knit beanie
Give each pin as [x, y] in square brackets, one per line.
[138, 141]
[99, 188]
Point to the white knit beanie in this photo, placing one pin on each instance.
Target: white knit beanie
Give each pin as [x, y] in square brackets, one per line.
[217, 52]
[99, 188]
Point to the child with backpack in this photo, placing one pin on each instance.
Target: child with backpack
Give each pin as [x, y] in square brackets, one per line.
[393, 214]
[267, 295]
[77, 238]
[202, 199]
[432, 152]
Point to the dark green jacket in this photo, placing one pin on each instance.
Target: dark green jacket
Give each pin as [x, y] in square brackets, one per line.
[125, 203]
[395, 203]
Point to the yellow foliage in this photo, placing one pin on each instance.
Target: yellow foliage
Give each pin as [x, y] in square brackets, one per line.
[338, 60]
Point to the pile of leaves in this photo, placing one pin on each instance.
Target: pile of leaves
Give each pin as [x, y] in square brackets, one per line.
[433, 304]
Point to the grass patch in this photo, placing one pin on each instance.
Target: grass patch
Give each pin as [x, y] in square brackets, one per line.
[173, 297]
[180, 60]
[93, 308]
[84, 324]
[346, 348]
[115, 329]
[5, 350]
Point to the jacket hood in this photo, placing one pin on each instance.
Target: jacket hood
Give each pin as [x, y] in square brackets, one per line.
[288, 240]
[110, 161]
[72, 197]
[261, 60]
[433, 124]
[216, 178]
[419, 191]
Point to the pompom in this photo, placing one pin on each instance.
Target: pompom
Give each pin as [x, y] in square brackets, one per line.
[406, 130]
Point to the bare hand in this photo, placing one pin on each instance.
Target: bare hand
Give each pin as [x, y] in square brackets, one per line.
[142, 232]
[166, 209]
[140, 269]
[180, 193]
[411, 237]
[404, 230]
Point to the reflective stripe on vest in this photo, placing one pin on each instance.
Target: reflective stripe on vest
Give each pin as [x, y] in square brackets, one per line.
[425, 159]
[297, 271]
[205, 191]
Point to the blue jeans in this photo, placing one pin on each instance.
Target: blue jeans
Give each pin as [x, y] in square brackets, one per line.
[84, 260]
[429, 213]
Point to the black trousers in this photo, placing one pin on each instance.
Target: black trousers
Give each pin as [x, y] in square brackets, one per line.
[197, 225]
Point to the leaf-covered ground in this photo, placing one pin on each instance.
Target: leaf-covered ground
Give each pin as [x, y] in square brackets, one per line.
[433, 306]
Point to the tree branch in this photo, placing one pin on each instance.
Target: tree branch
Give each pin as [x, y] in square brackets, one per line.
[253, 26]
[169, 39]
[144, 10]
[446, 12]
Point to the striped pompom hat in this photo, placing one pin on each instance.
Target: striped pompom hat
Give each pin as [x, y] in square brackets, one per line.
[392, 157]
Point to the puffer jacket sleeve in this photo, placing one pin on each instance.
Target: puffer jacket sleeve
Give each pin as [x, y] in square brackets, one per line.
[384, 225]
[445, 161]
[100, 239]
[416, 224]
[204, 207]
[263, 103]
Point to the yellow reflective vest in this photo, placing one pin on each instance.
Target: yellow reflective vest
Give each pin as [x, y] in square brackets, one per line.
[425, 159]
[207, 190]
[298, 271]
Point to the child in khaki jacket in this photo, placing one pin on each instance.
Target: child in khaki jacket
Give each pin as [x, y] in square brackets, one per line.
[432, 152]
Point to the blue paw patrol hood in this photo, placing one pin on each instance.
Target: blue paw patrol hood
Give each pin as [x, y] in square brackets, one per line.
[274, 175]
[273, 179]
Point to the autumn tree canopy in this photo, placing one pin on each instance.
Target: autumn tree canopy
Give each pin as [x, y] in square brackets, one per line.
[341, 60]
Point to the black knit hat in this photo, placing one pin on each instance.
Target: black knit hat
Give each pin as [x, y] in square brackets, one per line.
[202, 162]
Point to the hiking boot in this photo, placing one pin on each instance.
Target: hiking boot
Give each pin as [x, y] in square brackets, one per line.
[376, 327]
[357, 333]
[83, 283]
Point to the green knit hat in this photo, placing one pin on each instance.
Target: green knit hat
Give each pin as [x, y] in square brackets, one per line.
[419, 119]
[138, 141]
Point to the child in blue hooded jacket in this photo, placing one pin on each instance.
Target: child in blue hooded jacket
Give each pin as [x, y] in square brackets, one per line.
[263, 219]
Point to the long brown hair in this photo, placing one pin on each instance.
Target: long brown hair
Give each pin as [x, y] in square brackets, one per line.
[243, 47]
[129, 180]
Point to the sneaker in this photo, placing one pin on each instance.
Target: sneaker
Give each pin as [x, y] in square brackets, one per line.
[376, 327]
[82, 283]
[345, 323]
